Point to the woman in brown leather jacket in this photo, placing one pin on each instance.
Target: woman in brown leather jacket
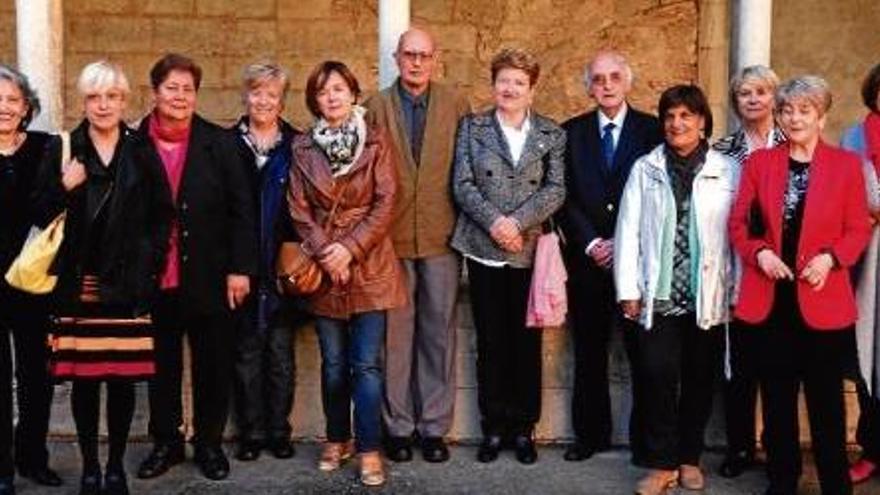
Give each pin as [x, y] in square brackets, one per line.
[342, 160]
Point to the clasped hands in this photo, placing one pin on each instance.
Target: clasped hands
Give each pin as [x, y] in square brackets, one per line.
[505, 232]
[335, 259]
[814, 273]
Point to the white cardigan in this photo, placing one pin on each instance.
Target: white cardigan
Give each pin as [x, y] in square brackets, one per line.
[638, 240]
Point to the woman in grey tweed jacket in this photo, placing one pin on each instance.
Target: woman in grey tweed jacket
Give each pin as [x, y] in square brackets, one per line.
[508, 180]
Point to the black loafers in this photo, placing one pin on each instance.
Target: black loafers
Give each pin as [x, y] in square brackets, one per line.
[434, 449]
[248, 450]
[736, 463]
[399, 449]
[115, 483]
[282, 448]
[489, 448]
[41, 475]
[525, 450]
[162, 458]
[579, 451]
[212, 463]
[90, 483]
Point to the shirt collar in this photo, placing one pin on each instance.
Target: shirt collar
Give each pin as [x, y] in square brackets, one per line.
[526, 126]
[617, 120]
[412, 99]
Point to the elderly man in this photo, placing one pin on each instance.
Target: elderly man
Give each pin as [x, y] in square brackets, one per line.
[602, 146]
[421, 117]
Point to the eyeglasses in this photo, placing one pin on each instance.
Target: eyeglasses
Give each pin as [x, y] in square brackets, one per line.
[600, 79]
[413, 56]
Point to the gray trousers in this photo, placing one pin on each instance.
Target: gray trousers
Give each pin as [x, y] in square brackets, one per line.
[420, 350]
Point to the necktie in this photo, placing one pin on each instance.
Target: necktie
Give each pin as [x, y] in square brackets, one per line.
[608, 145]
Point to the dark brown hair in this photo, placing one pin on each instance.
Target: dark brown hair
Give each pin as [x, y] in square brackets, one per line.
[692, 98]
[515, 58]
[870, 87]
[318, 78]
[171, 62]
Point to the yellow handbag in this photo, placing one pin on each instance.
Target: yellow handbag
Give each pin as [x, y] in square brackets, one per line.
[29, 271]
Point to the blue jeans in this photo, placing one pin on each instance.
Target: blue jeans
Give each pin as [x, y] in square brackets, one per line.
[351, 368]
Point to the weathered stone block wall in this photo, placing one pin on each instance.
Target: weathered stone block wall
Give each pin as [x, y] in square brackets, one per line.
[7, 32]
[836, 40]
[223, 36]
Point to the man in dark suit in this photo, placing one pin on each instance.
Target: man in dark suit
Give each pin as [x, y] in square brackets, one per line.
[601, 148]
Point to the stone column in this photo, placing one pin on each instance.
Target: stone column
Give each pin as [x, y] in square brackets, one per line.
[41, 56]
[752, 27]
[393, 20]
[712, 60]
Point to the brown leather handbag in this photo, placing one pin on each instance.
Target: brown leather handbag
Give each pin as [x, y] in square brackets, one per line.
[298, 274]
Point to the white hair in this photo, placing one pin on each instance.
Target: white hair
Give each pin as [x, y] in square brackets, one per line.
[102, 76]
[617, 58]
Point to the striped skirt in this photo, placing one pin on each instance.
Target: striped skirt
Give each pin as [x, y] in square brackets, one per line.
[99, 346]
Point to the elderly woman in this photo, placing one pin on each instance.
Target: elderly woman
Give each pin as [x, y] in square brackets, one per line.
[673, 273]
[795, 291]
[209, 256]
[116, 224]
[508, 180]
[22, 316]
[864, 139]
[342, 192]
[752, 93]
[264, 364]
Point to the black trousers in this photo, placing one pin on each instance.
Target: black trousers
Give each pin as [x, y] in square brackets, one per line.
[868, 430]
[594, 315]
[508, 353]
[264, 371]
[792, 354]
[675, 366]
[212, 346]
[23, 317]
[741, 390]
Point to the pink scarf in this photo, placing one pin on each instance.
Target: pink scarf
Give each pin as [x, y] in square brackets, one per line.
[171, 144]
[872, 139]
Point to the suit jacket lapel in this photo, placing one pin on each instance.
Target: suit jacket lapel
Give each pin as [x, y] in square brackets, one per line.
[488, 133]
[536, 144]
[625, 145]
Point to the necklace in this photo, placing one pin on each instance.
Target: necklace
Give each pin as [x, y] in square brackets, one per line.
[16, 143]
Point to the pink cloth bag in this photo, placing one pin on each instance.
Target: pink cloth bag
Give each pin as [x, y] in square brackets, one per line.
[548, 302]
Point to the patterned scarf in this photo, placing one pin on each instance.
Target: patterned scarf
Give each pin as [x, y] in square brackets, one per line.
[872, 139]
[343, 145]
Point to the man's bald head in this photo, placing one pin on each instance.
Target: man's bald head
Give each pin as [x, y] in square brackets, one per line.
[415, 58]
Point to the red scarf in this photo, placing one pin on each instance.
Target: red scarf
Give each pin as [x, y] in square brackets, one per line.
[171, 144]
[872, 139]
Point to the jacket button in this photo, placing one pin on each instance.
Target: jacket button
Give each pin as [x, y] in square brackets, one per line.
[184, 258]
[184, 206]
[185, 233]
[609, 207]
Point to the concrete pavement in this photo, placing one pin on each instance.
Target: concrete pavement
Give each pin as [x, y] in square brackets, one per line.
[606, 474]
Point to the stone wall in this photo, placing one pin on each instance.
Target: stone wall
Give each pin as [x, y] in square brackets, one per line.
[837, 40]
[7, 32]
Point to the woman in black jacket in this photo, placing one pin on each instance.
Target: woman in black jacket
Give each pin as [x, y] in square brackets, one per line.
[23, 316]
[115, 228]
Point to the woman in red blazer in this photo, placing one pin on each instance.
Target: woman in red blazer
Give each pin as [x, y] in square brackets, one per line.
[799, 221]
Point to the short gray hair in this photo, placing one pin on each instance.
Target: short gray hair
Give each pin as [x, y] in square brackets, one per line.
[617, 58]
[255, 74]
[102, 76]
[30, 96]
[753, 73]
[813, 89]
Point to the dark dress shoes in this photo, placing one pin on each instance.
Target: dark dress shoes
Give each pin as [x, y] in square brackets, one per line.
[115, 483]
[212, 463]
[7, 486]
[90, 483]
[434, 449]
[735, 463]
[41, 475]
[248, 450]
[399, 449]
[579, 451]
[282, 448]
[524, 447]
[162, 458]
[489, 448]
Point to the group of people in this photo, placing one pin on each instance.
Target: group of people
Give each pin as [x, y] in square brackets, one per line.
[730, 258]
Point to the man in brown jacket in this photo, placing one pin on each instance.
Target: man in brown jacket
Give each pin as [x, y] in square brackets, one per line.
[421, 117]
